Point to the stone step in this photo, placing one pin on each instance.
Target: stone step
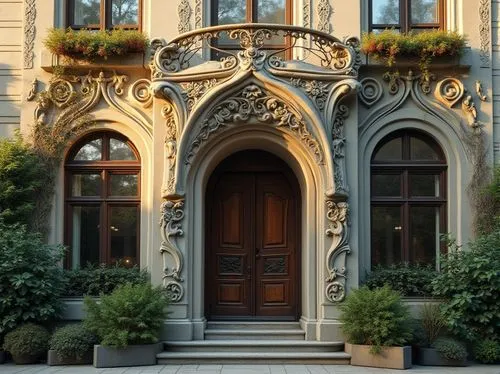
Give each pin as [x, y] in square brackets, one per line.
[254, 334]
[259, 325]
[253, 346]
[319, 358]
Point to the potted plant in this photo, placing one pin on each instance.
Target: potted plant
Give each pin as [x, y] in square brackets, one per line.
[487, 351]
[71, 345]
[27, 344]
[127, 323]
[376, 324]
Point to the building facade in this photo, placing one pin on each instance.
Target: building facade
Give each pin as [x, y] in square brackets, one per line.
[257, 171]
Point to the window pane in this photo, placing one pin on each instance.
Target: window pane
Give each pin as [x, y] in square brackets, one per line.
[424, 185]
[125, 12]
[386, 235]
[386, 185]
[123, 232]
[392, 150]
[123, 184]
[92, 151]
[420, 150]
[424, 11]
[385, 11]
[231, 11]
[119, 150]
[87, 12]
[85, 235]
[86, 185]
[424, 234]
[271, 11]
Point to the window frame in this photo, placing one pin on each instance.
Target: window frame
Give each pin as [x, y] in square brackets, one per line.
[105, 201]
[405, 25]
[406, 167]
[106, 17]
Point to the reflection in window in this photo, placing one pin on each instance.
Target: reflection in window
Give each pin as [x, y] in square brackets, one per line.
[408, 199]
[103, 199]
[104, 14]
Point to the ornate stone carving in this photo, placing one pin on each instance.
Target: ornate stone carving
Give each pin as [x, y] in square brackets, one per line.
[469, 108]
[254, 102]
[29, 32]
[172, 214]
[338, 228]
[33, 91]
[396, 81]
[306, 13]
[324, 11]
[316, 90]
[371, 91]
[193, 91]
[141, 92]
[449, 91]
[170, 147]
[198, 14]
[479, 91]
[175, 291]
[61, 92]
[484, 32]
[338, 144]
[184, 12]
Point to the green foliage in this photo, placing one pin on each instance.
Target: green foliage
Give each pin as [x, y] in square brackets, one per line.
[407, 279]
[375, 317]
[27, 340]
[450, 349]
[132, 314]
[88, 44]
[31, 279]
[94, 280]
[487, 351]
[433, 322]
[469, 282]
[21, 179]
[487, 202]
[72, 341]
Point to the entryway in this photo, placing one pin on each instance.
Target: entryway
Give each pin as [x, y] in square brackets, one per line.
[252, 247]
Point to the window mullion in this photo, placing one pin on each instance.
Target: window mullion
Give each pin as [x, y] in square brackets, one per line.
[404, 15]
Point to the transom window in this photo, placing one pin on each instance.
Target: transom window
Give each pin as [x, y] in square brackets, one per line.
[408, 199]
[102, 188]
[104, 14]
[406, 15]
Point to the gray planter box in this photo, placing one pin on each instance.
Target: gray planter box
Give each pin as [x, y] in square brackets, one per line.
[431, 357]
[390, 357]
[53, 359]
[133, 355]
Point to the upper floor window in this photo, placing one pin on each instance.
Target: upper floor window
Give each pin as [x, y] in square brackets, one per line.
[104, 14]
[408, 199]
[406, 15]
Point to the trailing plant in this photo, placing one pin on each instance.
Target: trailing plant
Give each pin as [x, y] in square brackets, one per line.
[132, 314]
[433, 322]
[72, 341]
[469, 282]
[407, 279]
[375, 317]
[94, 280]
[89, 44]
[27, 341]
[389, 45]
[450, 349]
[487, 351]
[31, 279]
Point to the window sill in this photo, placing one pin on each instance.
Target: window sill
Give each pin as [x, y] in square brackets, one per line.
[133, 61]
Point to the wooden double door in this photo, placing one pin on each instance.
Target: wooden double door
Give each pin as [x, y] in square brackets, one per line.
[252, 239]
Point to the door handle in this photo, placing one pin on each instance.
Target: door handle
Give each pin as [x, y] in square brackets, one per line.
[257, 253]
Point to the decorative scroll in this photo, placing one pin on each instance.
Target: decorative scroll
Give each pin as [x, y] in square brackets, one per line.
[33, 91]
[29, 32]
[172, 214]
[316, 90]
[324, 11]
[198, 15]
[338, 228]
[469, 109]
[193, 91]
[396, 81]
[170, 146]
[449, 91]
[479, 91]
[254, 102]
[306, 13]
[371, 91]
[484, 32]
[184, 13]
[141, 92]
[338, 144]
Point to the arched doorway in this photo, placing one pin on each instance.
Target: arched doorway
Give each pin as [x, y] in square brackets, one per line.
[252, 268]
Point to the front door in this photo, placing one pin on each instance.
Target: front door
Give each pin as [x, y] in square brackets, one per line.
[252, 239]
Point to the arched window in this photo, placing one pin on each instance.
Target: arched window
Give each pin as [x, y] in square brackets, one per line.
[102, 190]
[408, 199]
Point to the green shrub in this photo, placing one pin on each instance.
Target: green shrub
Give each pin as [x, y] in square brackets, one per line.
[132, 314]
[21, 179]
[450, 349]
[487, 351]
[88, 44]
[72, 341]
[31, 279]
[469, 282]
[27, 340]
[94, 280]
[375, 317]
[433, 322]
[408, 280]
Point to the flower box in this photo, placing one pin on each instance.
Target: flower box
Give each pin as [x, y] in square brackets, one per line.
[431, 357]
[389, 357]
[53, 359]
[132, 355]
